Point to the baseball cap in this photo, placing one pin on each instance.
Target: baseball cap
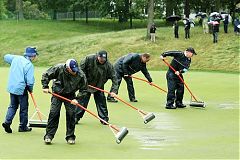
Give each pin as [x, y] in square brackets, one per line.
[190, 49]
[30, 52]
[102, 54]
[72, 64]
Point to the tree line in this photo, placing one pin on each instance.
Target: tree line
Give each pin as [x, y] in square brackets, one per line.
[124, 10]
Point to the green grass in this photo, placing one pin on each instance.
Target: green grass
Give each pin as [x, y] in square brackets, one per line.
[60, 40]
[190, 133]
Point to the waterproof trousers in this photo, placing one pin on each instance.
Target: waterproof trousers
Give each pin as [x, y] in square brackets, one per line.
[54, 115]
[100, 101]
[175, 89]
[130, 87]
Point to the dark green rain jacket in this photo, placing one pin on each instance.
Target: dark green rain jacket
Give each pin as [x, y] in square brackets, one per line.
[98, 74]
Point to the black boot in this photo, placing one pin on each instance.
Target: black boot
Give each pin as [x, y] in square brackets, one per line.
[133, 100]
[111, 99]
[7, 127]
[170, 106]
[26, 129]
[180, 105]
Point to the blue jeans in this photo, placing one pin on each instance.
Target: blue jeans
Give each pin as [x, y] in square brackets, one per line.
[17, 100]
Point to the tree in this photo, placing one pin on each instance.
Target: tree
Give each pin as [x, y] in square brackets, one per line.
[150, 16]
[169, 7]
[31, 11]
[2, 9]
[57, 5]
[19, 9]
[186, 8]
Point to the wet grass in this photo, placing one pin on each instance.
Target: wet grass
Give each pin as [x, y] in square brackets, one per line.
[190, 133]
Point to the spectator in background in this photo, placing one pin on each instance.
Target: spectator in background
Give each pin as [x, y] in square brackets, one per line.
[225, 22]
[236, 24]
[215, 25]
[175, 27]
[187, 29]
[205, 25]
[21, 80]
[153, 32]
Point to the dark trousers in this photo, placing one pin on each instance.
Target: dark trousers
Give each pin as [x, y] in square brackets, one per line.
[130, 88]
[54, 115]
[175, 88]
[226, 28]
[100, 101]
[215, 37]
[176, 34]
[22, 101]
[187, 33]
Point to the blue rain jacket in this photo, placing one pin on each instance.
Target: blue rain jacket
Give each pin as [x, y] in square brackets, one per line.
[21, 74]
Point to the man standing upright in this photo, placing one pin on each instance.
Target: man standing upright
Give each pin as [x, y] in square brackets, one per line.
[98, 70]
[126, 66]
[21, 80]
[153, 32]
[181, 63]
[175, 27]
[187, 29]
[225, 22]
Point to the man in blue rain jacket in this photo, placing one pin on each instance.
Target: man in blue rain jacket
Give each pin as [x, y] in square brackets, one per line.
[21, 80]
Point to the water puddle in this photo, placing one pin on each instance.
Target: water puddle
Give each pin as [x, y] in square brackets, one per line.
[229, 106]
[158, 133]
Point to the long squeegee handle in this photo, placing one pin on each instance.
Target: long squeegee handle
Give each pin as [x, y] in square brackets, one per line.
[141, 79]
[180, 79]
[68, 100]
[99, 89]
[35, 105]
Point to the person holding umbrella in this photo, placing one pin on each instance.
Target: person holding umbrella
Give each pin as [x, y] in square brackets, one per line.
[174, 19]
[225, 22]
[175, 27]
[187, 28]
[215, 25]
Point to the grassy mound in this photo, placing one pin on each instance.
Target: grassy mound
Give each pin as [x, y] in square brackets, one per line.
[60, 40]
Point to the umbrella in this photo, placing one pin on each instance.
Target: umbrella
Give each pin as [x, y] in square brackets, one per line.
[201, 14]
[224, 13]
[214, 13]
[173, 18]
[213, 22]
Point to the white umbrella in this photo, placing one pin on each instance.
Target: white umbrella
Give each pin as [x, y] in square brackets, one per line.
[214, 13]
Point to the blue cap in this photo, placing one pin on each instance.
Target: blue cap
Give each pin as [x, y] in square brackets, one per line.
[30, 52]
[72, 64]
